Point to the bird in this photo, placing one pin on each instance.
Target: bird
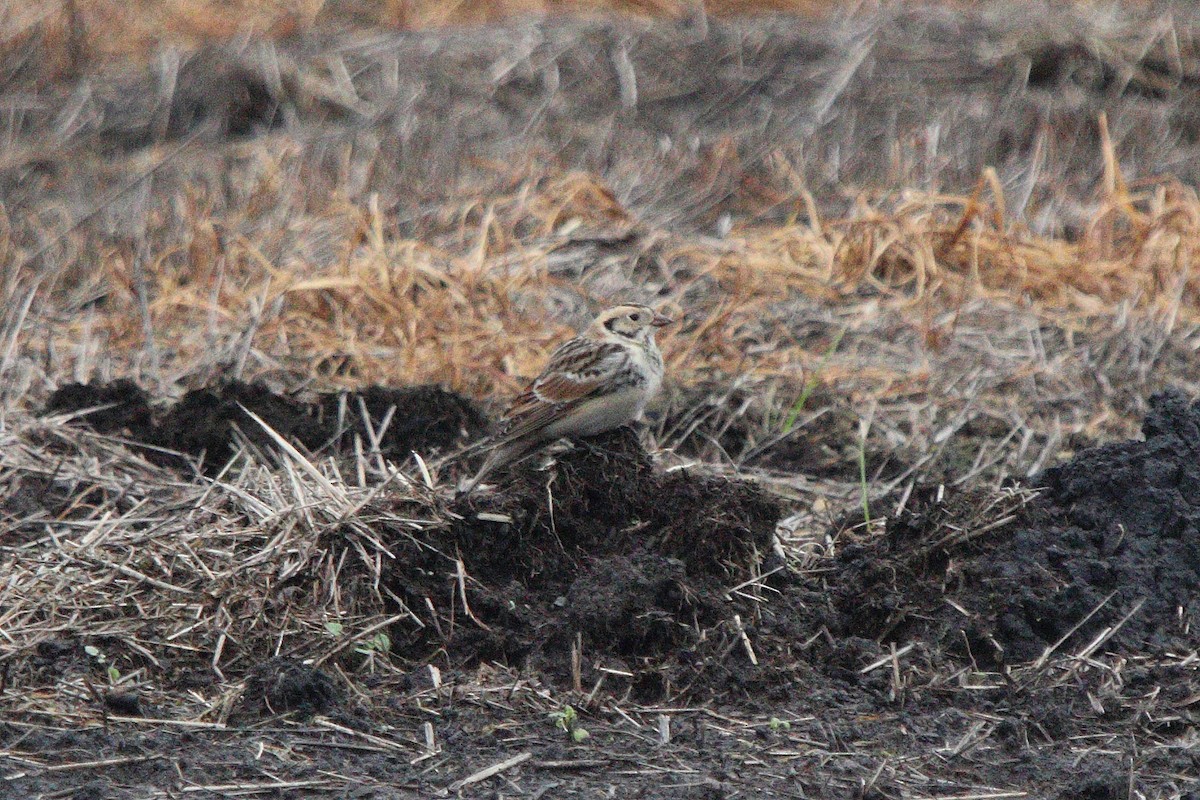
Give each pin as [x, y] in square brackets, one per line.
[595, 382]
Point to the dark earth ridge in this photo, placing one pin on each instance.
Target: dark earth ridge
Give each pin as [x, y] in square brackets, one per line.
[1115, 532]
[603, 533]
[599, 549]
[201, 423]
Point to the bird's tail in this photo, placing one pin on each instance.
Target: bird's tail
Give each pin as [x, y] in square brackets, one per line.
[501, 453]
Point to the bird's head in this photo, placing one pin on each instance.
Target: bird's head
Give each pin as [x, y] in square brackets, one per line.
[635, 322]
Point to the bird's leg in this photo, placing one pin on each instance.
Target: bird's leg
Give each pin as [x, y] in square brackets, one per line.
[587, 443]
[644, 432]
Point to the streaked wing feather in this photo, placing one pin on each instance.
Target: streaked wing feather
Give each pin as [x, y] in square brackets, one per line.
[578, 370]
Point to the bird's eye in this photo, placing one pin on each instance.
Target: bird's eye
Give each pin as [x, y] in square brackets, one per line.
[636, 317]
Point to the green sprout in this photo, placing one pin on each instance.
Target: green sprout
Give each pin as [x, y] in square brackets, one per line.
[97, 655]
[811, 384]
[379, 643]
[862, 475]
[568, 720]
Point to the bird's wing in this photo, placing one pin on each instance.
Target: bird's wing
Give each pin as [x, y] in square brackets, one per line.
[578, 370]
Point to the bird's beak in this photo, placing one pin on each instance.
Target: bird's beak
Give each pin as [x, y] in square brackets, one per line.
[660, 320]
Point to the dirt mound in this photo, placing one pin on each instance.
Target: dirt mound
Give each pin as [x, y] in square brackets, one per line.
[599, 568]
[601, 555]
[1106, 558]
[202, 423]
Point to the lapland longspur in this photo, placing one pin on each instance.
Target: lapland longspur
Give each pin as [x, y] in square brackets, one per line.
[593, 383]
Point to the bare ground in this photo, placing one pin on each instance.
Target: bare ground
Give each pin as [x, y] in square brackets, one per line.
[907, 523]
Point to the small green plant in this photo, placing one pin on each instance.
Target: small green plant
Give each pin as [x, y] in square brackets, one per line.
[776, 724]
[379, 643]
[862, 472]
[97, 655]
[811, 384]
[568, 720]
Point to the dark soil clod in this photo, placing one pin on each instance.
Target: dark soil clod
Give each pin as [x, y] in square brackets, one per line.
[121, 407]
[425, 417]
[283, 685]
[128, 704]
[202, 422]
